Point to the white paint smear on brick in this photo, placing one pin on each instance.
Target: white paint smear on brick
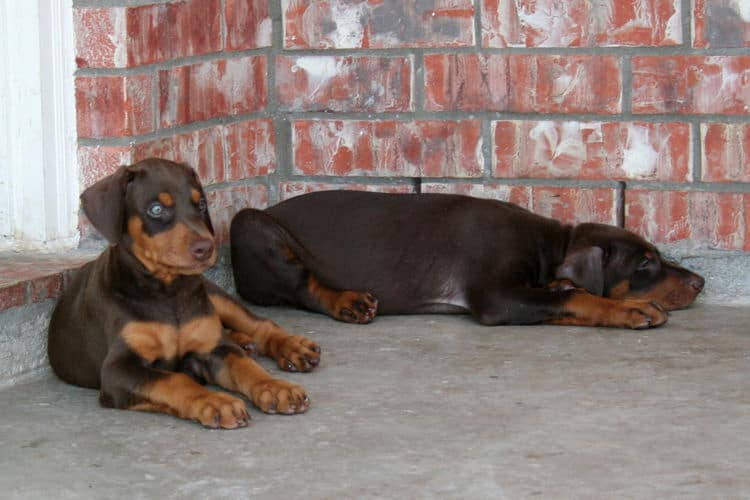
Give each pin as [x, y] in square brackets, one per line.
[674, 25]
[319, 70]
[551, 18]
[264, 35]
[119, 37]
[743, 7]
[640, 158]
[735, 85]
[349, 31]
[566, 83]
[553, 143]
[264, 151]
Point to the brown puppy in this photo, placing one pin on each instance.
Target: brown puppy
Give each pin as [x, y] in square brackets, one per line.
[144, 327]
[350, 254]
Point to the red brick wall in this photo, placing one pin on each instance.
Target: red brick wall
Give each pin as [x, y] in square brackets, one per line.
[630, 112]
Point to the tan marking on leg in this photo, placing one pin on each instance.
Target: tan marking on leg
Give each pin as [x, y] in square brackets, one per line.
[195, 195]
[324, 295]
[291, 352]
[242, 374]
[347, 305]
[179, 395]
[585, 309]
[264, 332]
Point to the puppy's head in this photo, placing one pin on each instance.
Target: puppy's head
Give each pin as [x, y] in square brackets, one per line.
[612, 262]
[157, 210]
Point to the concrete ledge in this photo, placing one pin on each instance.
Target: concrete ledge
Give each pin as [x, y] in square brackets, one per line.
[727, 273]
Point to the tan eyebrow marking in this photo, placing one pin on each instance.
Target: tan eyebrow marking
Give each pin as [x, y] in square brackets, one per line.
[166, 199]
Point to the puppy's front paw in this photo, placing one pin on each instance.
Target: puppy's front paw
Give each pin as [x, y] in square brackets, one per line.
[641, 314]
[298, 354]
[279, 396]
[355, 307]
[219, 410]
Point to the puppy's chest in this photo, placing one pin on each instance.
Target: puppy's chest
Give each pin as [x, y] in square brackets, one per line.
[170, 340]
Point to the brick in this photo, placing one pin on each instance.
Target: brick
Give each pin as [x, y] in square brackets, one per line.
[659, 216]
[388, 148]
[212, 89]
[114, 106]
[249, 146]
[746, 209]
[718, 219]
[691, 84]
[292, 189]
[592, 150]
[97, 162]
[225, 202]
[519, 195]
[726, 152]
[119, 37]
[251, 149]
[202, 149]
[552, 84]
[580, 23]
[101, 37]
[575, 205]
[12, 295]
[358, 84]
[160, 32]
[249, 24]
[48, 287]
[721, 24]
[351, 24]
[715, 220]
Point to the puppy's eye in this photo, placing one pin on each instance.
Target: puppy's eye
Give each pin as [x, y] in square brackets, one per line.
[202, 205]
[155, 210]
[645, 263]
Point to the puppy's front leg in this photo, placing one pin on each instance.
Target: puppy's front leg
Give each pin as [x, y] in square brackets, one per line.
[229, 367]
[291, 352]
[581, 308]
[561, 304]
[127, 383]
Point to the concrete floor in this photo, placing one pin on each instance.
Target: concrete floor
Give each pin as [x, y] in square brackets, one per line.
[427, 407]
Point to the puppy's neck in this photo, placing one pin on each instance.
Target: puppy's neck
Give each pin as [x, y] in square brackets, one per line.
[131, 276]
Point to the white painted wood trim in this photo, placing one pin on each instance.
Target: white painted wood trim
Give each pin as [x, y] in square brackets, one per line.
[37, 134]
[6, 187]
[61, 169]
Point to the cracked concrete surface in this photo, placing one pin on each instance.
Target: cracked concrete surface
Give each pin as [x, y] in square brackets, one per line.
[427, 407]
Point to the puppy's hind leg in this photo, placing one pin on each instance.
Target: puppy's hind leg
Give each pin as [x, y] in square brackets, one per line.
[271, 267]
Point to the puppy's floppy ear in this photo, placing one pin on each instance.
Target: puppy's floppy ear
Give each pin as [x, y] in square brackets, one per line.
[104, 204]
[585, 268]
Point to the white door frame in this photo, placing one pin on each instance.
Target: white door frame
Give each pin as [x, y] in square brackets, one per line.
[38, 164]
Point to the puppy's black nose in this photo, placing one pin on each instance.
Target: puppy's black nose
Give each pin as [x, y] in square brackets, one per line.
[697, 282]
[202, 248]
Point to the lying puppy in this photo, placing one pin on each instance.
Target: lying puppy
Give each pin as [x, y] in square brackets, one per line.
[349, 254]
[144, 327]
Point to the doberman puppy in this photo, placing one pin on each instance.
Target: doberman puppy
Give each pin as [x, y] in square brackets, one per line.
[143, 326]
[349, 254]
